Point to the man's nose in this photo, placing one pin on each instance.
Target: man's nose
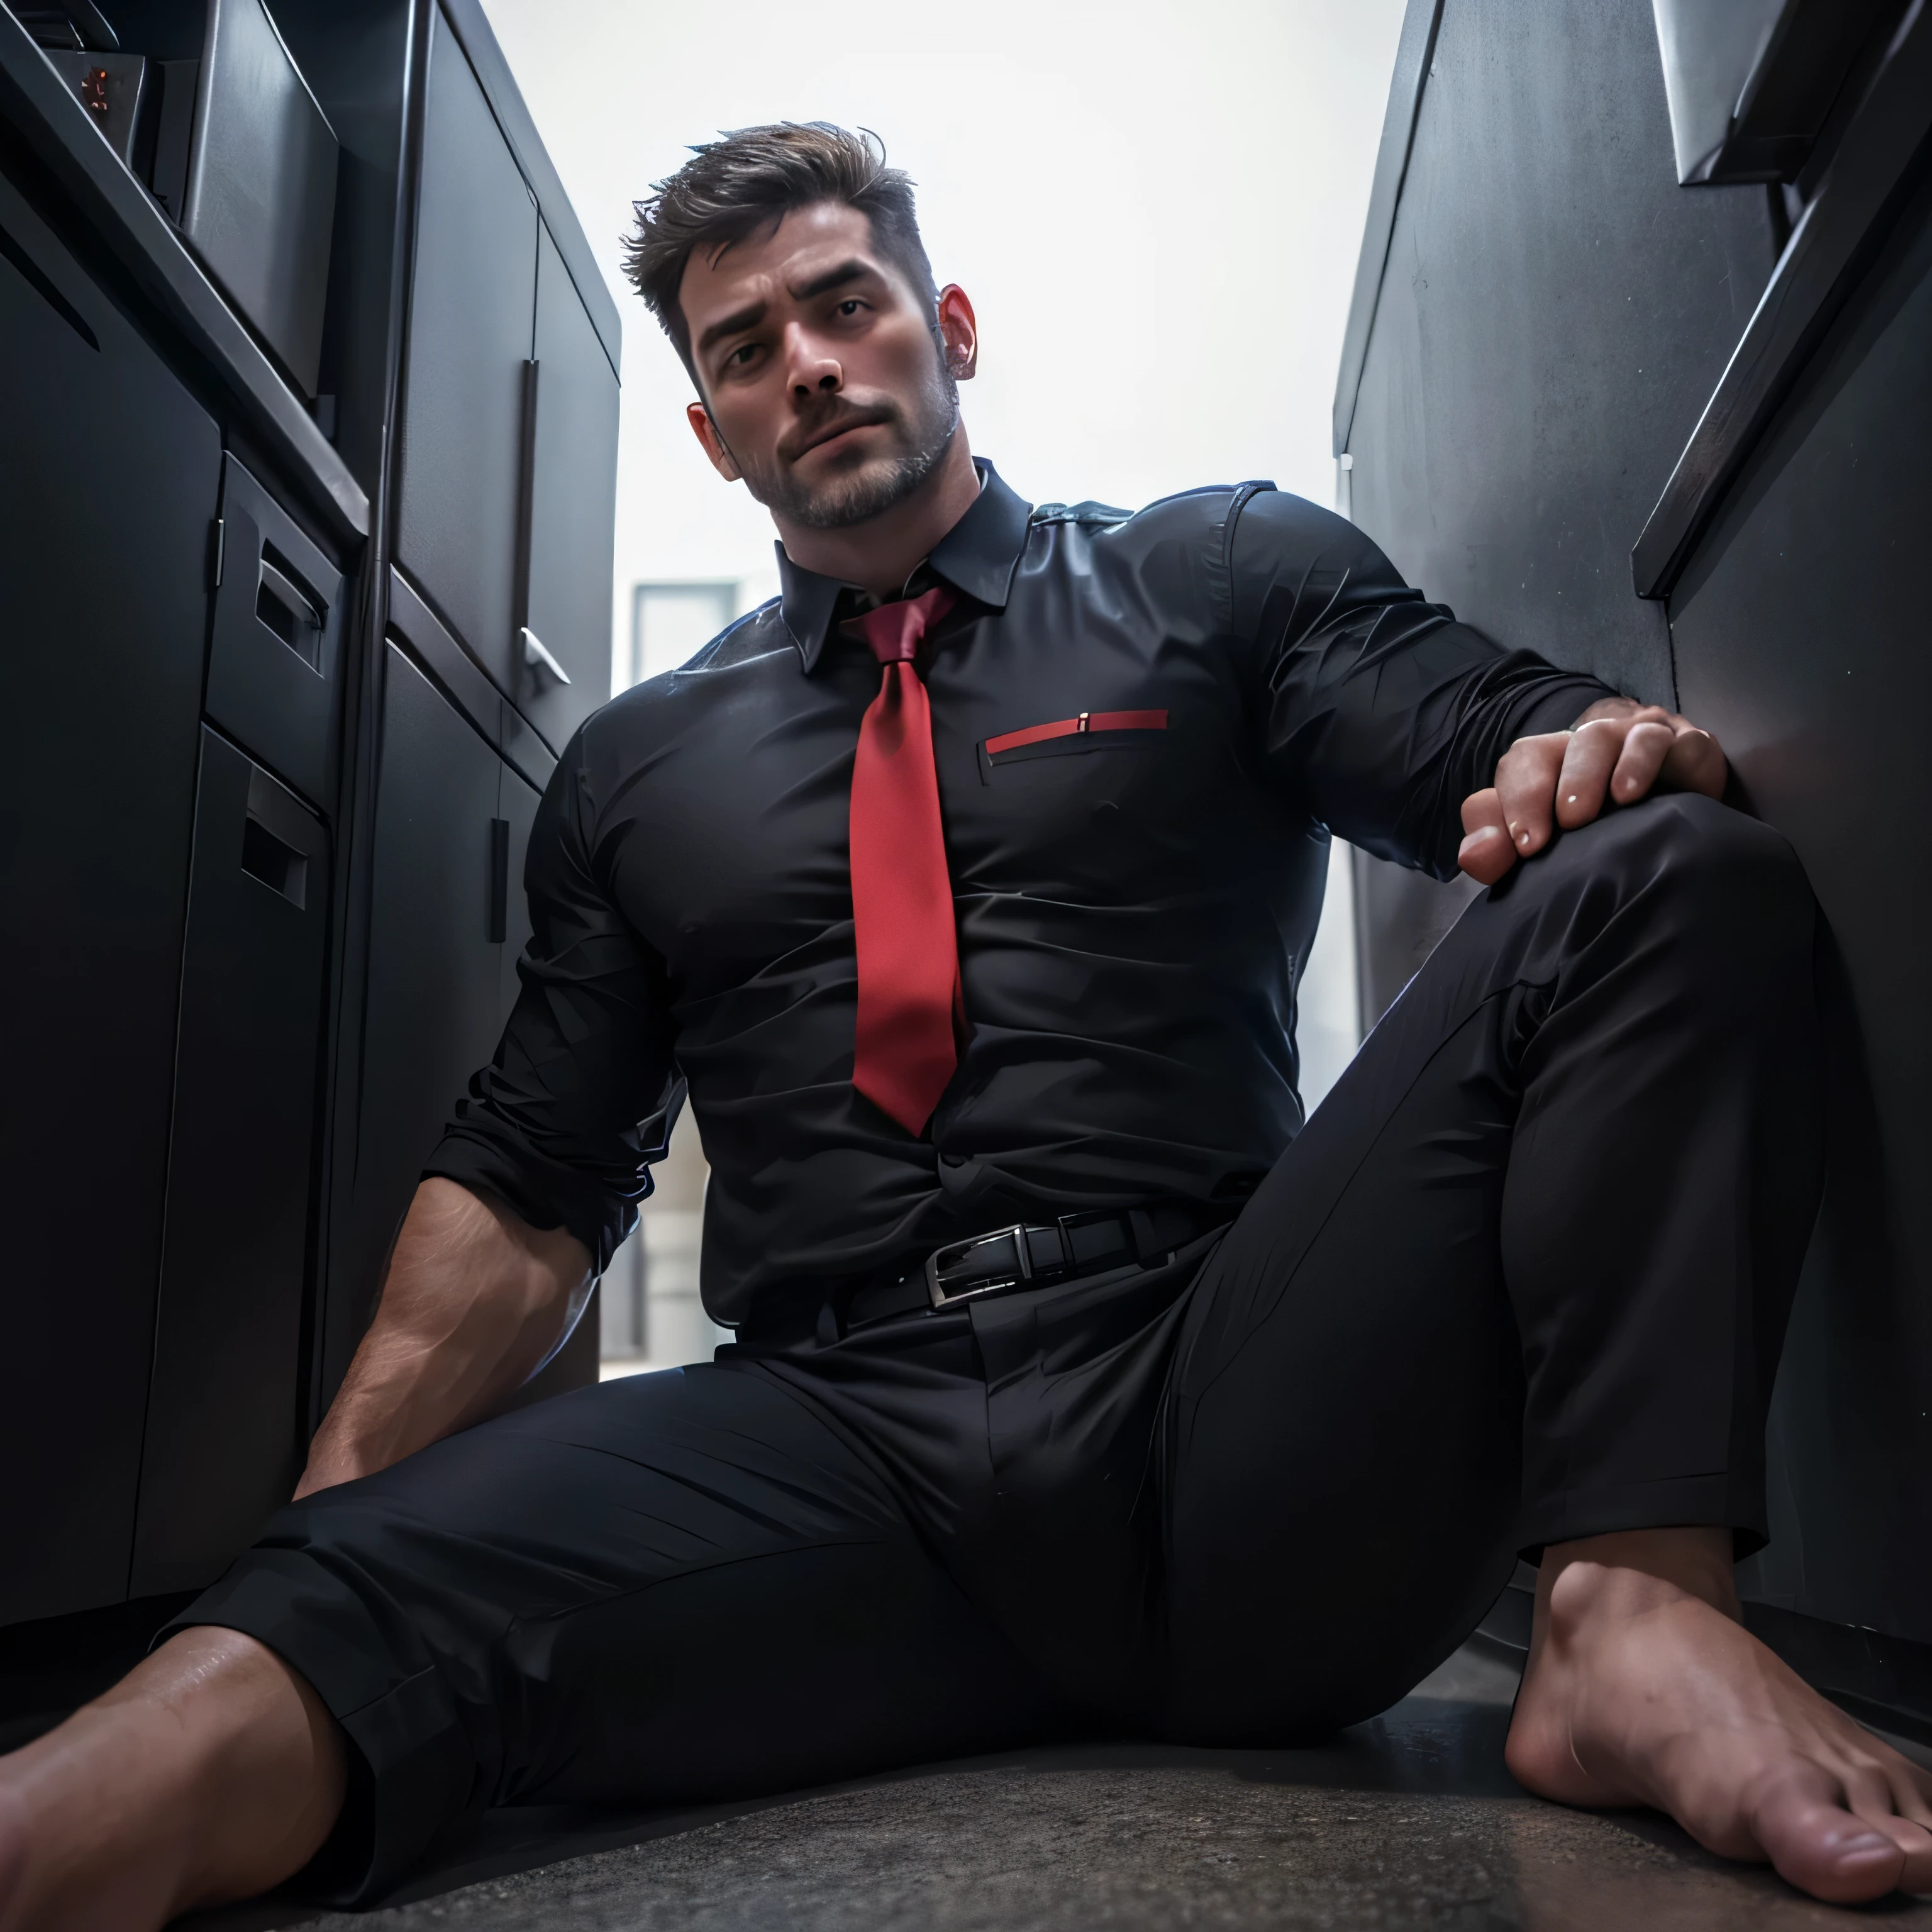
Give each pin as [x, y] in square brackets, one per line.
[811, 370]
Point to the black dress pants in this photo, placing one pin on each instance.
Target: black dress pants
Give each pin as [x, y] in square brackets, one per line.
[1523, 1279]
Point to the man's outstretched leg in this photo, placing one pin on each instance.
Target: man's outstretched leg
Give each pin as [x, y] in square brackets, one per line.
[527, 1613]
[210, 1772]
[1644, 1688]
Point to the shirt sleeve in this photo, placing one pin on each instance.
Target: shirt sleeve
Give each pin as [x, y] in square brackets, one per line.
[584, 1090]
[1380, 713]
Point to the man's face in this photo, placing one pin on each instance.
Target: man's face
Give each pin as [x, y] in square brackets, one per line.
[827, 394]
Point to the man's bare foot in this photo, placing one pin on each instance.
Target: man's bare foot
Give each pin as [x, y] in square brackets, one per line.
[13, 1829]
[1643, 1688]
[211, 1772]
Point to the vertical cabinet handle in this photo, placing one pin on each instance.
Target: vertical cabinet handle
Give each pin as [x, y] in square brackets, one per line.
[537, 656]
[499, 880]
[526, 512]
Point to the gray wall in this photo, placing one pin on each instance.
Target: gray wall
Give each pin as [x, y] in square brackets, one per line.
[1554, 311]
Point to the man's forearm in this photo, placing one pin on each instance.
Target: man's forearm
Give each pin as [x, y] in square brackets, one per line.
[475, 1300]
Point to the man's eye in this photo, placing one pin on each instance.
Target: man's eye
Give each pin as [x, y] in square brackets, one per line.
[850, 306]
[742, 354]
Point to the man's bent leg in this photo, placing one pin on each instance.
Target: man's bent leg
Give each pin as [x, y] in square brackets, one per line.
[1344, 1435]
[1549, 1221]
[211, 1772]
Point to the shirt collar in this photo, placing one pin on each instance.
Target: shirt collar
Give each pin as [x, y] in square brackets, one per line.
[979, 556]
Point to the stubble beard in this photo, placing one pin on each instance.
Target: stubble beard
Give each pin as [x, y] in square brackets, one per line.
[874, 486]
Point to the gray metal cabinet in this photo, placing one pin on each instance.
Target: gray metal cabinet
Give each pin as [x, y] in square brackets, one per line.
[465, 375]
[449, 920]
[108, 483]
[262, 821]
[221, 1443]
[435, 998]
[509, 447]
[572, 508]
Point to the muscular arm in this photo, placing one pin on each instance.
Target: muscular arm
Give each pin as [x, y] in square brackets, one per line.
[1382, 712]
[476, 1301]
[1379, 713]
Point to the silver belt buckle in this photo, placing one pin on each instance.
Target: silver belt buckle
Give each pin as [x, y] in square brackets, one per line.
[945, 1261]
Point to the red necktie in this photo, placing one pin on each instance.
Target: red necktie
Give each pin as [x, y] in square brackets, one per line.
[905, 1050]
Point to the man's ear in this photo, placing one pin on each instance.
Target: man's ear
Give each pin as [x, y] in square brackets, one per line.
[706, 431]
[960, 331]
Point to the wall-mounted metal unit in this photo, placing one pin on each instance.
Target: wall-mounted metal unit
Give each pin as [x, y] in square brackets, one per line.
[1753, 85]
[258, 204]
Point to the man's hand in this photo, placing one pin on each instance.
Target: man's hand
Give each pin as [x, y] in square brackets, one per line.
[1619, 751]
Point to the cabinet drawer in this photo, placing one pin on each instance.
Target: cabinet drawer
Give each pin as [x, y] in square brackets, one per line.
[274, 671]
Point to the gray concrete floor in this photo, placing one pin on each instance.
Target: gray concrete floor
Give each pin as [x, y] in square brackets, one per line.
[1408, 1822]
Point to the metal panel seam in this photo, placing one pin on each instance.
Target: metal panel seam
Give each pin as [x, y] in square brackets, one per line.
[1406, 86]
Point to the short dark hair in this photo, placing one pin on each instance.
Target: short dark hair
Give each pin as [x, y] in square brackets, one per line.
[749, 180]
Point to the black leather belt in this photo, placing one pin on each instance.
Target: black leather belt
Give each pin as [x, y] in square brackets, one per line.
[1036, 1256]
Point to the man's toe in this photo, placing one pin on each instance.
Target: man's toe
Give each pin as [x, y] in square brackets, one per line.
[1821, 1848]
[1886, 1797]
[1911, 1791]
[1915, 1842]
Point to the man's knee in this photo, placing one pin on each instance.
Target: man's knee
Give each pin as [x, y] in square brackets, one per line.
[1686, 832]
[1712, 864]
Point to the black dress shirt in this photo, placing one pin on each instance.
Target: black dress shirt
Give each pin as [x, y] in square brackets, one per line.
[1136, 899]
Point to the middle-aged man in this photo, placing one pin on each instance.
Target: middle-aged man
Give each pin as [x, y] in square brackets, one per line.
[1075, 1384]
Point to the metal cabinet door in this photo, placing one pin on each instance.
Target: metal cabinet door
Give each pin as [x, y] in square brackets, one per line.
[472, 290]
[572, 510]
[433, 1007]
[516, 807]
[574, 1365]
[225, 1400]
[108, 474]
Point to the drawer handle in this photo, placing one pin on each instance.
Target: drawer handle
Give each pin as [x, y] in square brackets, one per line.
[538, 659]
[287, 612]
[275, 862]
